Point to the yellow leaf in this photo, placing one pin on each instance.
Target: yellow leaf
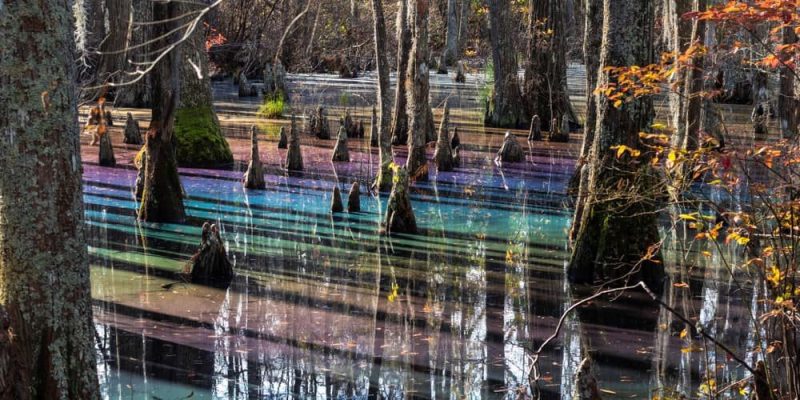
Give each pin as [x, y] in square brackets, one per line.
[687, 217]
[618, 104]
[658, 127]
[672, 156]
[684, 333]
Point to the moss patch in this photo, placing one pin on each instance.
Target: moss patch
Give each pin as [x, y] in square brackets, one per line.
[199, 138]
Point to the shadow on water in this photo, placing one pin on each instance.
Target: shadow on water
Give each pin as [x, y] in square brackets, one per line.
[323, 307]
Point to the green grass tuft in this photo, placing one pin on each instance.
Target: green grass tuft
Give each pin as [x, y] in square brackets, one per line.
[273, 107]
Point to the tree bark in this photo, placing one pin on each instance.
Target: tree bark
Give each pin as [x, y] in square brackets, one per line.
[383, 182]
[787, 103]
[112, 60]
[46, 332]
[400, 118]
[421, 119]
[505, 108]
[451, 53]
[162, 194]
[463, 24]
[136, 95]
[198, 133]
[694, 85]
[686, 103]
[676, 37]
[546, 73]
[592, 40]
[618, 206]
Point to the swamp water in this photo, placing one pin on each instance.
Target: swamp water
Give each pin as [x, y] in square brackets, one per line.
[323, 307]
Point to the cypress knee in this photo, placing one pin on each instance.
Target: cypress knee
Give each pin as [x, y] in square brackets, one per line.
[106, 150]
[460, 76]
[511, 151]
[354, 199]
[254, 177]
[210, 264]
[456, 140]
[294, 157]
[443, 154]
[456, 156]
[336, 200]
[245, 88]
[132, 133]
[536, 129]
[340, 152]
[283, 142]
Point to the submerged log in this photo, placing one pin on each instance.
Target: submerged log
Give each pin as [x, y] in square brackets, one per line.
[132, 133]
[336, 200]
[536, 129]
[354, 199]
[456, 140]
[460, 76]
[399, 214]
[107, 158]
[254, 176]
[511, 151]
[294, 157]
[340, 151]
[443, 156]
[282, 140]
[374, 139]
[210, 264]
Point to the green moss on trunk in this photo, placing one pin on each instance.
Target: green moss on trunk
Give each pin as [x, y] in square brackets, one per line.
[199, 139]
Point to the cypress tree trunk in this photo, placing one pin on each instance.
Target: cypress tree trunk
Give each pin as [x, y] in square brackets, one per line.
[787, 104]
[676, 38]
[592, 40]
[400, 117]
[463, 24]
[694, 85]
[198, 134]
[384, 179]
[506, 108]
[685, 105]
[618, 216]
[546, 73]
[451, 53]
[137, 95]
[421, 119]
[46, 332]
[162, 194]
[112, 62]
